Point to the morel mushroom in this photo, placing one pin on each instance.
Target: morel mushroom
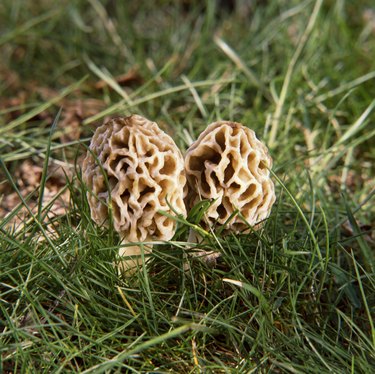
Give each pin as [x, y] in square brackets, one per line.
[230, 166]
[136, 169]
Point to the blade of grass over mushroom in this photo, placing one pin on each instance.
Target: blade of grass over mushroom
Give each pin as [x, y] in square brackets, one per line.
[185, 222]
[235, 213]
[191, 222]
[197, 212]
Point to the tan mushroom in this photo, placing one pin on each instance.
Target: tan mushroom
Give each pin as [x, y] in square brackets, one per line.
[230, 166]
[136, 169]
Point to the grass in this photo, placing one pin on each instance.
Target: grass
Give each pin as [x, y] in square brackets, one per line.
[296, 296]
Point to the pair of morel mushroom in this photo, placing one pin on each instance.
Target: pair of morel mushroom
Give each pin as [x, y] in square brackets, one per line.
[135, 170]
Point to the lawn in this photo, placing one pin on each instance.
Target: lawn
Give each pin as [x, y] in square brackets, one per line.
[295, 296]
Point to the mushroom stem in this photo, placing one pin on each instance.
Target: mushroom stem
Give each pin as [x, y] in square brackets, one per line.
[131, 258]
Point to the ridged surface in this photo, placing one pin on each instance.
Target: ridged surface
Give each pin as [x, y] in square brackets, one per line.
[230, 166]
[144, 169]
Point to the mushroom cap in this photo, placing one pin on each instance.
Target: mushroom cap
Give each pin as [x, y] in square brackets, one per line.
[138, 168]
[230, 166]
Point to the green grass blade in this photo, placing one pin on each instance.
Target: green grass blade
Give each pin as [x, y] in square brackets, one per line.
[45, 166]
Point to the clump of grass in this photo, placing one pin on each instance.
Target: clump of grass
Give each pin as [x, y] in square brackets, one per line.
[295, 296]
